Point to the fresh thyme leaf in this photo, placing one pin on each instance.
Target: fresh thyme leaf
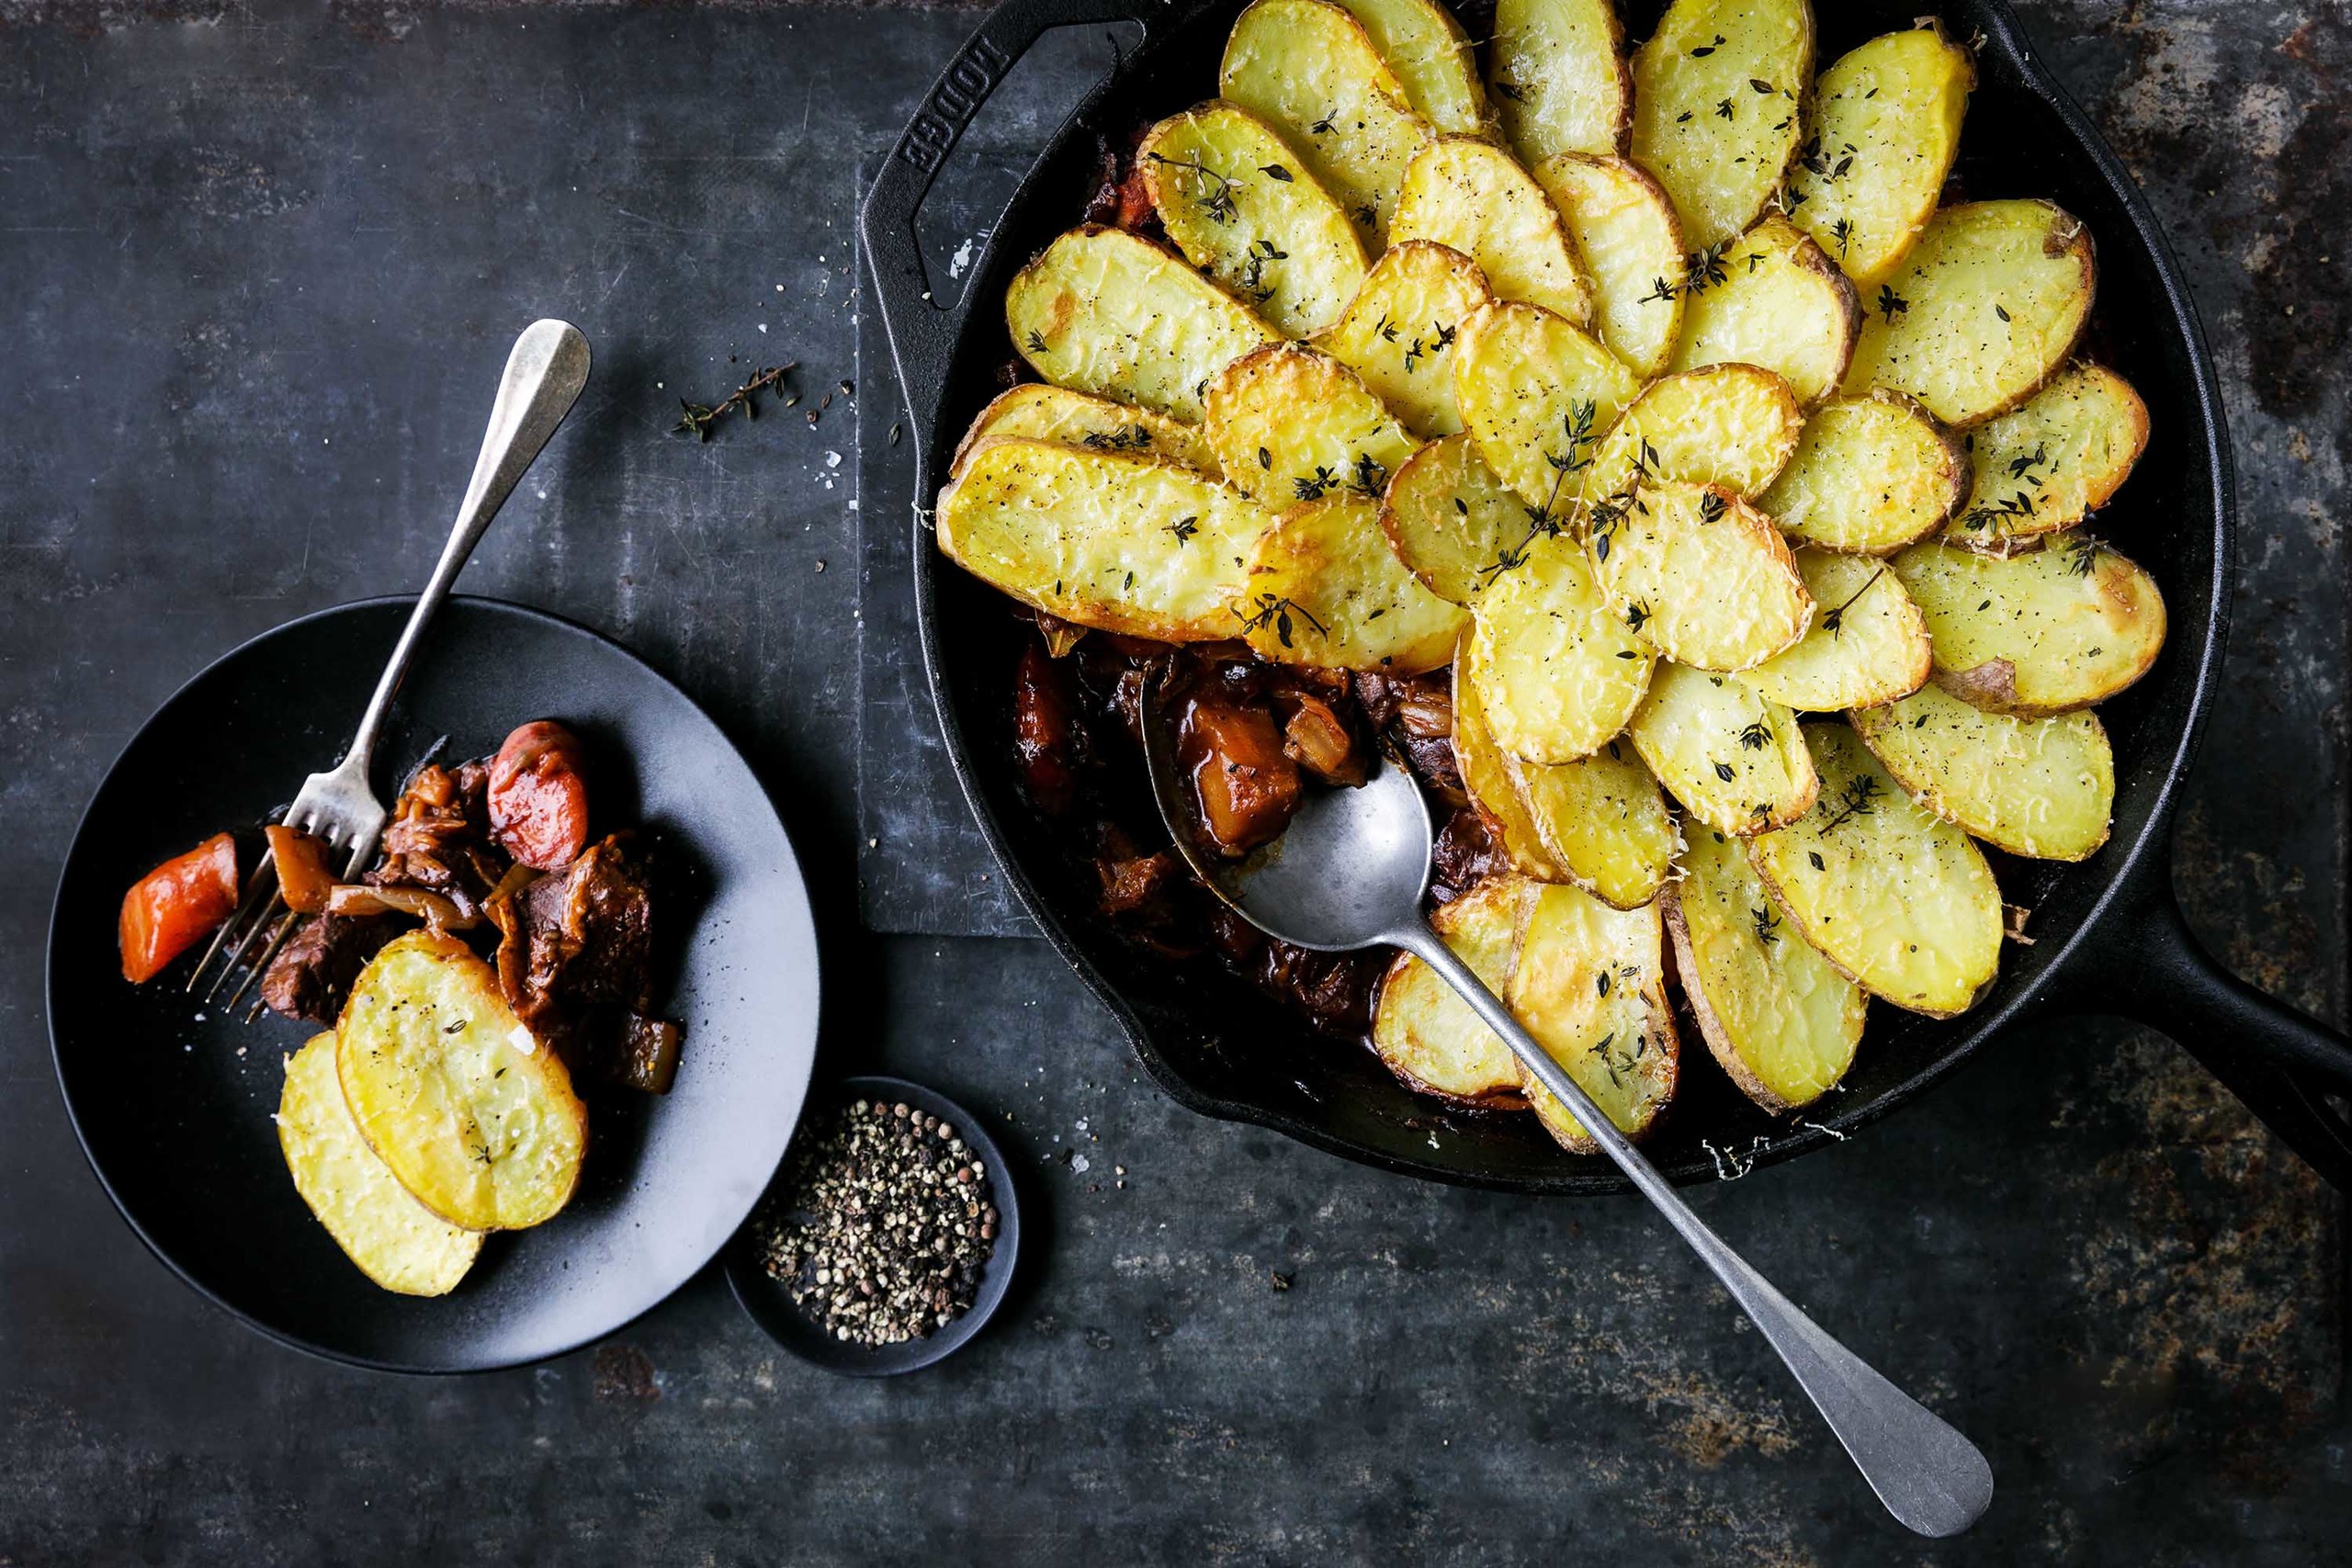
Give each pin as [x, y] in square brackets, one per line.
[1723, 109]
[1510, 90]
[1890, 303]
[1767, 924]
[1726, 771]
[1705, 49]
[1275, 171]
[1755, 736]
[1712, 506]
[2081, 554]
[1035, 340]
[1186, 527]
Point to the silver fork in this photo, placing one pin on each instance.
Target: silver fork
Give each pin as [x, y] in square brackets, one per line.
[544, 376]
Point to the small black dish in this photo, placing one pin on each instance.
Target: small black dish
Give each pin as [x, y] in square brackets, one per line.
[764, 1299]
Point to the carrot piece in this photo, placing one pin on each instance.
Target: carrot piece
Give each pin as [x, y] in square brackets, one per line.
[168, 909]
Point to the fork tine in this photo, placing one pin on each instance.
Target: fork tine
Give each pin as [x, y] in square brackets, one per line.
[236, 954]
[250, 917]
[285, 925]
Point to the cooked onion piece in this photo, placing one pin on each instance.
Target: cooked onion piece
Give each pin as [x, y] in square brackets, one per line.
[1716, 92]
[1777, 1015]
[1471, 196]
[2046, 465]
[1557, 672]
[1431, 57]
[1887, 123]
[1325, 591]
[1242, 208]
[1867, 643]
[1733, 758]
[2040, 787]
[1046, 412]
[1773, 300]
[1871, 474]
[1289, 424]
[1630, 242]
[1423, 1030]
[1559, 76]
[1398, 333]
[1535, 393]
[1453, 523]
[1110, 541]
[1983, 310]
[1699, 574]
[1732, 426]
[2052, 629]
[1896, 897]
[1105, 312]
[1309, 69]
[1591, 989]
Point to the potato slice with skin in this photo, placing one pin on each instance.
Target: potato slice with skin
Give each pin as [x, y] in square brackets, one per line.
[1699, 575]
[1896, 897]
[395, 1241]
[1774, 300]
[1557, 673]
[1733, 757]
[1398, 333]
[1603, 820]
[2046, 465]
[1716, 92]
[1470, 196]
[1431, 57]
[2047, 631]
[1325, 591]
[1871, 474]
[1886, 121]
[474, 1116]
[2039, 787]
[1309, 69]
[1105, 312]
[1866, 642]
[1493, 785]
[1630, 242]
[1243, 208]
[1423, 1030]
[1591, 989]
[1983, 310]
[1732, 426]
[1558, 72]
[1452, 522]
[1289, 424]
[1777, 1016]
[1535, 393]
[1045, 413]
[1111, 540]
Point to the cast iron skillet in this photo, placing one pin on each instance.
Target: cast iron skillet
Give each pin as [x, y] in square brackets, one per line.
[172, 1101]
[2108, 936]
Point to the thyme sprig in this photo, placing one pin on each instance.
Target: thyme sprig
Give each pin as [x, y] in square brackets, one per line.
[1275, 610]
[1859, 798]
[1835, 620]
[1219, 204]
[698, 419]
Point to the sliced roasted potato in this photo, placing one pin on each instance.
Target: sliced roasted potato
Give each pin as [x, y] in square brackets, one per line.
[1493, 784]
[1557, 672]
[1773, 300]
[1591, 989]
[1112, 540]
[1983, 310]
[1046, 412]
[1104, 312]
[1558, 70]
[1603, 820]
[2046, 631]
[1423, 1030]
[1242, 208]
[1699, 574]
[1469, 194]
[2051, 462]
[1289, 424]
[1535, 393]
[1453, 523]
[395, 1240]
[1896, 897]
[1732, 426]
[1871, 474]
[1431, 55]
[1733, 757]
[2040, 788]
[1309, 69]
[1630, 241]
[1776, 1014]
[472, 1114]
[1716, 96]
[1885, 128]
[1867, 643]
[1399, 333]
[1325, 589]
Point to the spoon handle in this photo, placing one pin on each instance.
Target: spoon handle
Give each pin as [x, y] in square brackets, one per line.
[1930, 1478]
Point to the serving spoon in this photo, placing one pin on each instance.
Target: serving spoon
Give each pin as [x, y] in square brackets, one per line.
[1349, 872]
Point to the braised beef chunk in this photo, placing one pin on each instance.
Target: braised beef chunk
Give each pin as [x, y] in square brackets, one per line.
[314, 972]
[646, 1056]
[579, 937]
[1467, 848]
[439, 839]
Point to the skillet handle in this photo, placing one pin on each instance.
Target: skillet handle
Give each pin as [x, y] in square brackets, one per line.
[923, 332]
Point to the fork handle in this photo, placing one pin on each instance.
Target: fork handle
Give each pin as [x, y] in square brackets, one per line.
[1930, 1478]
[544, 376]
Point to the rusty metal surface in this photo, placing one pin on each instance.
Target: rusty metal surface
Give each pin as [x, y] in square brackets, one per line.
[256, 261]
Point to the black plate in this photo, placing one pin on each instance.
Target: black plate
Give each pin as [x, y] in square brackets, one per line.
[172, 1101]
[764, 1300]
